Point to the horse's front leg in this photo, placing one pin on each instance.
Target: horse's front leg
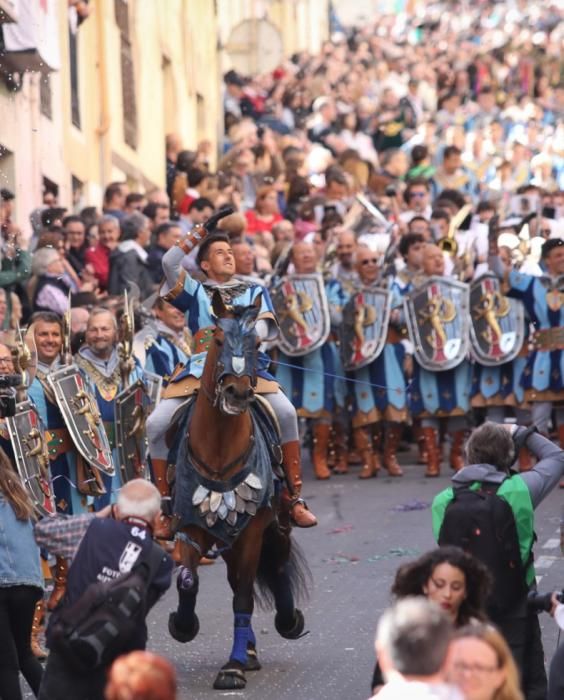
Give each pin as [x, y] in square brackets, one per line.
[242, 563]
[183, 624]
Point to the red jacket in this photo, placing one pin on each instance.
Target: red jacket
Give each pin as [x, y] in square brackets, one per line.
[99, 258]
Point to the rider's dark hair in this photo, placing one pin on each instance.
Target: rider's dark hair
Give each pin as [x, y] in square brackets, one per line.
[411, 578]
[204, 249]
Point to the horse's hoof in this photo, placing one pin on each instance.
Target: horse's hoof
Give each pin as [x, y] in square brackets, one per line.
[230, 679]
[293, 632]
[253, 664]
[181, 635]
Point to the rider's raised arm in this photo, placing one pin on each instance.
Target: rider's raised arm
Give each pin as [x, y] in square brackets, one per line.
[267, 325]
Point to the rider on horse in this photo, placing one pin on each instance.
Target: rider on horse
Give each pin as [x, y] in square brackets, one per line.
[216, 260]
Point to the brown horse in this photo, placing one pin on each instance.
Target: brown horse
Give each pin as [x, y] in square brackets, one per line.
[224, 495]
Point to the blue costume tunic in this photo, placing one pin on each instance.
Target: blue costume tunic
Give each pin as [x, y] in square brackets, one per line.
[164, 351]
[104, 379]
[194, 299]
[62, 453]
[382, 395]
[542, 377]
[309, 384]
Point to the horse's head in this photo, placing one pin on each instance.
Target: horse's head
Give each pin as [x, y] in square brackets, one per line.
[236, 344]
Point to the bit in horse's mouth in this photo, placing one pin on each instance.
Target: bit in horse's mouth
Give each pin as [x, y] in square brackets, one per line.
[232, 407]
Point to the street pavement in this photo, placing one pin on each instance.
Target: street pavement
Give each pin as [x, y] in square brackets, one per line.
[366, 530]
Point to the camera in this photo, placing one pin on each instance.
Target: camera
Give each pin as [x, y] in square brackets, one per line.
[8, 382]
[542, 602]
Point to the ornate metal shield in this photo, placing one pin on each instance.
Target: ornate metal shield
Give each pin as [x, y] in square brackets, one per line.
[82, 417]
[437, 315]
[303, 313]
[365, 324]
[497, 330]
[131, 442]
[27, 434]
[154, 385]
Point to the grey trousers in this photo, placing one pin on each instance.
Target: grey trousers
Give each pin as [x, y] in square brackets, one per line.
[161, 419]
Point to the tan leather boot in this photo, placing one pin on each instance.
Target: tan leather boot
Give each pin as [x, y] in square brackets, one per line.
[320, 449]
[421, 449]
[393, 437]
[160, 476]
[456, 455]
[37, 627]
[60, 578]
[340, 449]
[291, 499]
[363, 443]
[433, 453]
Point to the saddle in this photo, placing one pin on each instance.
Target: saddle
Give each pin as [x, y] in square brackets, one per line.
[188, 386]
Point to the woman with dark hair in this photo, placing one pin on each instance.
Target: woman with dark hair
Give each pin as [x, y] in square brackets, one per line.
[455, 580]
[21, 585]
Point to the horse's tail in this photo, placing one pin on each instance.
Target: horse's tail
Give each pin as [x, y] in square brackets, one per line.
[282, 564]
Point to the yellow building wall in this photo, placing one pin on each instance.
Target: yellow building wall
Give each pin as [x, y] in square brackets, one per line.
[179, 55]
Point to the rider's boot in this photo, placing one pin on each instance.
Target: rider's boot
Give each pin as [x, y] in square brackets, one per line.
[60, 579]
[160, 476]
[291, 498]
[320, 450]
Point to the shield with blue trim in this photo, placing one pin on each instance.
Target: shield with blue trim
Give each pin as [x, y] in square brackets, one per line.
[437, 316]
[497, 330]
[302, 311]
[364, 328]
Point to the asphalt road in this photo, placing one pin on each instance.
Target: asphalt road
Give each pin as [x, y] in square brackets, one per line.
[366, 530]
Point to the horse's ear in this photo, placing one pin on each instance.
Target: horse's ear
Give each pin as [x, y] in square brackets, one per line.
[218, 307]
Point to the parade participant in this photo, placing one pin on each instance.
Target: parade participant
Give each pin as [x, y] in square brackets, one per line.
[410, 248]
[70, 485]
[490, 452]
[344, 270]
[379, 396]
[245, 256]
[542, 377]
[21, 585]
[311, 384]
[440, 395]
[99, 361]
[48, 337]
[215, 259]
[103, 547]
[167, 342]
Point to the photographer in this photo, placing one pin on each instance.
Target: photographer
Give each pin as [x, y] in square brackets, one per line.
[102, 547]
[552, 603]
[487, 483]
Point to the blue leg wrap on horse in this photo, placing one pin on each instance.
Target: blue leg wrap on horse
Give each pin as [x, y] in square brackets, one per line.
[187, 592]
[252, 638]
[240, 638]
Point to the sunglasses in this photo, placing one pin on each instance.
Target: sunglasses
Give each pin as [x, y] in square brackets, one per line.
[420, 195]
[368, 261]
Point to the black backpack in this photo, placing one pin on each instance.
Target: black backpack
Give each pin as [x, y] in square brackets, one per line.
[100, 625]
[482, 523]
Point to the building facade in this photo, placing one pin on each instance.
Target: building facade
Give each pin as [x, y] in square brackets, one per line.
[88, 99]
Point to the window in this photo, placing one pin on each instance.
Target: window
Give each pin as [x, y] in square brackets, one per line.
[121, 8]
[45, 95]
[73, 61]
